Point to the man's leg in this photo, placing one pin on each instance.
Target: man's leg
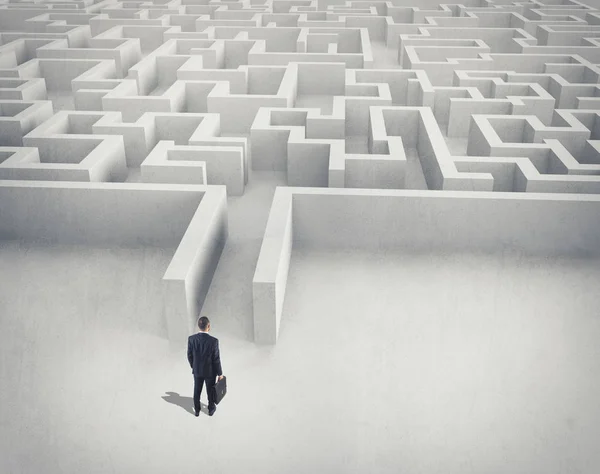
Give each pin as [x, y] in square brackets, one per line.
[210, 391]
[198, 382]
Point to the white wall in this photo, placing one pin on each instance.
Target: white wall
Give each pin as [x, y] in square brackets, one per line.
[191, 271]
[342, 219]
[109, 214]
[270, 277]
[224, 165]
[192, 219]
[566, 224]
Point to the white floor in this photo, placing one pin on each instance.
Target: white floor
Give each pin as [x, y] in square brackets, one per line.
[61, 100]
[466, 364]
[449, 363]
[384, 57]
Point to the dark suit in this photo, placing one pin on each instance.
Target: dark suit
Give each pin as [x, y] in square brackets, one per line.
[205, 361]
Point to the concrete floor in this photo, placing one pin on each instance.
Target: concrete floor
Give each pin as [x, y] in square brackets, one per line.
[384, 57]
[458, 363]
[61, 100]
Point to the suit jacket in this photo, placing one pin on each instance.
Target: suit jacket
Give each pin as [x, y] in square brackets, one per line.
[203, 355]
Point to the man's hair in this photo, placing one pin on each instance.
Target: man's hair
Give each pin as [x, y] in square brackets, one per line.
[203, 323]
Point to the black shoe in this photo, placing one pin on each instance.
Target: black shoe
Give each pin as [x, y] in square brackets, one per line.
[211, 411]
[197, 412]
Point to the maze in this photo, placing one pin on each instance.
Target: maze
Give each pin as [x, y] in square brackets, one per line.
[392, 123]
[413, 179]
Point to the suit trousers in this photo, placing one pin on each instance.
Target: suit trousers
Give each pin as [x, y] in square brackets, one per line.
[210, 390]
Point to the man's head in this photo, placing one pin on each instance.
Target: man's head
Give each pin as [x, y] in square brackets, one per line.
[204, 324]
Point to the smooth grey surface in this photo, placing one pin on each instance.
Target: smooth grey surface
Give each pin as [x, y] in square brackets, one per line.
[536, 223]
[124, 215]
[454, 363]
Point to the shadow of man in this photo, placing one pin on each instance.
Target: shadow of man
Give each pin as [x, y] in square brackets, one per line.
[187, 403]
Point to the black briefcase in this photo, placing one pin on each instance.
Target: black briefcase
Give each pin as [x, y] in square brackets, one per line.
[220, 389]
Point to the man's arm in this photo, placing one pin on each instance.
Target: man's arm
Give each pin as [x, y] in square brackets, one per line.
[190, 353]
[217, 359]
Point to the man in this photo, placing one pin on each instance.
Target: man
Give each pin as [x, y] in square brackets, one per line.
[203, 356]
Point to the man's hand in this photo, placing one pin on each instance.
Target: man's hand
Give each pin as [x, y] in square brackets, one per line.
[220, 377]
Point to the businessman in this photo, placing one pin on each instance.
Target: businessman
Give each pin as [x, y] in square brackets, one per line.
[203, 356]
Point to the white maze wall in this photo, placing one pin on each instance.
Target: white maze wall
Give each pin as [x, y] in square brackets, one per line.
[187, 127]
[482, 97]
